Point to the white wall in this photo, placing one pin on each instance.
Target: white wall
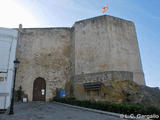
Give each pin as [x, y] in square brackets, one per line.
[8, 43]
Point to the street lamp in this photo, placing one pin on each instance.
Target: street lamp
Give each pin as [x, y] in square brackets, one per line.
[16, 63]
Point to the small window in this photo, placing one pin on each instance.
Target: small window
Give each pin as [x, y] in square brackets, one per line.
[1, 79]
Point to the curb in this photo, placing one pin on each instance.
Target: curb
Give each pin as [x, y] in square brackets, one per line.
[91, 110]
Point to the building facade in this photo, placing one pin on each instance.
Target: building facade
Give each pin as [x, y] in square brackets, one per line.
[86, 55]
[8, 44]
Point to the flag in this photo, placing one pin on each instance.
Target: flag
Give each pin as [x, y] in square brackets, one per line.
[104, 9]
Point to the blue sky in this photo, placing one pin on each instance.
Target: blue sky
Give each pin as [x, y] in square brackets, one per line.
[63, 13]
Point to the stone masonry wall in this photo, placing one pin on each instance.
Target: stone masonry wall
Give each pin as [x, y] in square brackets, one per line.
[106, 43]
[45, 53]
[103, 77]
[101, 49]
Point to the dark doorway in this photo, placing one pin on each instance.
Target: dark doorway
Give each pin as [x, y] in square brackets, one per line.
[39, 89]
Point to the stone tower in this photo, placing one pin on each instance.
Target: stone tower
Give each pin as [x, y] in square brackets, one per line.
[104, 44]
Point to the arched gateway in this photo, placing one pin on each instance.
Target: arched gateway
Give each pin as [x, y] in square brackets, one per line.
[39, 89]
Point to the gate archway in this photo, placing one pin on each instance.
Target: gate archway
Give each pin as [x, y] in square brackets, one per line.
[39, 89]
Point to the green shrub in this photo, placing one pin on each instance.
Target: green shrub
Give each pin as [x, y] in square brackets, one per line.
[112, 107]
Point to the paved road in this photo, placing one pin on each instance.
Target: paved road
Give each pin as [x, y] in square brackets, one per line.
[52, 111]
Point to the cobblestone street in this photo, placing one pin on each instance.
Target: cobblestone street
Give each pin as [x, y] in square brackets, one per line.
[52, 111]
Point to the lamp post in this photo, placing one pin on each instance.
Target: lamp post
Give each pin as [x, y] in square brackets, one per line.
[16, 63]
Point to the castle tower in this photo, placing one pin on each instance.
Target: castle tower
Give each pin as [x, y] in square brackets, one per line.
[106, 44]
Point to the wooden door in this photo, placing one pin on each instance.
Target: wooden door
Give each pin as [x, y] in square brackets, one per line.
[39, 89]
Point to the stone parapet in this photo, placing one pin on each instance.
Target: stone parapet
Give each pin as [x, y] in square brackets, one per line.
[103, 76]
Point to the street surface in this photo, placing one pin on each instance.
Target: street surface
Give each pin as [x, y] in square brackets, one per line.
[52, 111]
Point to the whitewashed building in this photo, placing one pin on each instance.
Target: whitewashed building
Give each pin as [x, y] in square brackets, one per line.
[8, 43]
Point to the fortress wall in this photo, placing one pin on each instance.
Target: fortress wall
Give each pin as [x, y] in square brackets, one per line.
[44, 52]
[101, 49]
[107, 43]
